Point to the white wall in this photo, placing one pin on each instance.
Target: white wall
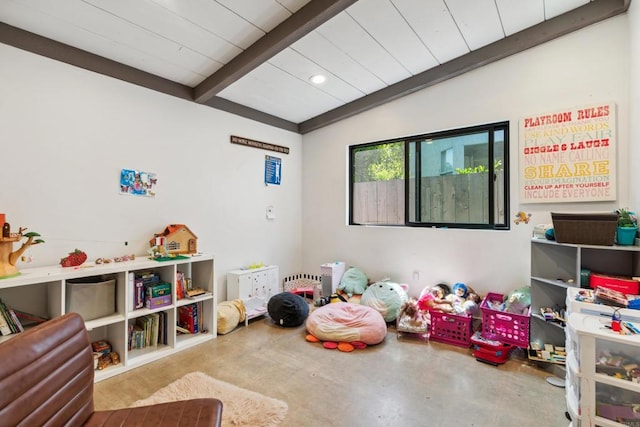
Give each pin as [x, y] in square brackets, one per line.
[634, 101]
[65, 134]
[581, 68]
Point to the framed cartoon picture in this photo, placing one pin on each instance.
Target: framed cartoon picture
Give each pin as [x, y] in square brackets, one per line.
[137, 183]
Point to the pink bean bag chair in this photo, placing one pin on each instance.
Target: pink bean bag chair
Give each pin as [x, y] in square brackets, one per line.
[346, 322]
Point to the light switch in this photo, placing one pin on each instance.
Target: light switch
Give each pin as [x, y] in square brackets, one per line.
[271, 212]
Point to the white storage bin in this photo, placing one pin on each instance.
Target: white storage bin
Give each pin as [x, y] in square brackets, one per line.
[91, 297]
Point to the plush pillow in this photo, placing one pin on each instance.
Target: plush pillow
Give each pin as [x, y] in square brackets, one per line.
[353, 281]
[230, 313]
[385, 297]
[346, 322]
[288, 309]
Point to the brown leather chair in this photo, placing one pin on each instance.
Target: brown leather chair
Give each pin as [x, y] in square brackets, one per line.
[46, 379]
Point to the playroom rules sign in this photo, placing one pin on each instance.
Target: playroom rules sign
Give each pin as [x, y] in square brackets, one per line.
[569, 155]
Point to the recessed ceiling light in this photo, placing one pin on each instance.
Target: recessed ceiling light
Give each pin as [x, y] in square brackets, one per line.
[317, 79]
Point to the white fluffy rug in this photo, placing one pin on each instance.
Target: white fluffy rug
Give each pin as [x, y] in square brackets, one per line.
[241, 407]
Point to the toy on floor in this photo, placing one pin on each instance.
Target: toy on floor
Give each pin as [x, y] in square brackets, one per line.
[386, 298]
[435, 298]
[412, 315]
[353, 281]
[411, 319]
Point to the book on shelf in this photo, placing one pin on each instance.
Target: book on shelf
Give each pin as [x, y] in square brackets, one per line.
[200, 296]
[182, 330]
[5, 329]
[180, 290]
[29, 319]
[200, 318]
[193, 293]
[144, 332]
[188, 317]
[11, 319]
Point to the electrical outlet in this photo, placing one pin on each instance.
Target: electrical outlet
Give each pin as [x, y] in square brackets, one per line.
[416, 275]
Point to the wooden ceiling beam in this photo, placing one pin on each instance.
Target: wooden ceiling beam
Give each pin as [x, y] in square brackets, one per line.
[591, 13]
[298, 25]
[49, 48]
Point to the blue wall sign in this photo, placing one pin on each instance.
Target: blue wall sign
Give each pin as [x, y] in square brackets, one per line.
[272, 170]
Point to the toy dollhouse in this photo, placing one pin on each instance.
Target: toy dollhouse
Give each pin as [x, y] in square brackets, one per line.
[176, 239]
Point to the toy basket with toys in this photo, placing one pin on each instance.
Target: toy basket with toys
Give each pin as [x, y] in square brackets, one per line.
[451, 328]
[510, 328]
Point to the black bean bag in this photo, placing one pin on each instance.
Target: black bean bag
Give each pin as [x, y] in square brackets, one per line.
[288, 309]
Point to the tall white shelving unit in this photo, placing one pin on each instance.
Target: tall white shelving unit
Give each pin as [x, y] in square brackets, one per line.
[42, 291]
[595, 397]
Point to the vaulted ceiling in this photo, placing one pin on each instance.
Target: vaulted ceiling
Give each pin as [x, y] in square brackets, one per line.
[255, 58]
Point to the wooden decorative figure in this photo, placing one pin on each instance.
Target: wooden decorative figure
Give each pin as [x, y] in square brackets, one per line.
[8, 258]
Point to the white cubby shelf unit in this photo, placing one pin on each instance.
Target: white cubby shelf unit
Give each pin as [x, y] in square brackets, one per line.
[42, 291]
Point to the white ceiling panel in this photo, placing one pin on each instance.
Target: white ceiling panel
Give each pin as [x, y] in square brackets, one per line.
[249, 58]
[348, 36]
[216, 19]
[478, 21]
[322, 51]
[517, 15]
[167, 25]
[291, 62]
[264, 14]
[293, 5]
[384, 23]
[265, 84]
[432, 22]
[553, 8]
[108, 36]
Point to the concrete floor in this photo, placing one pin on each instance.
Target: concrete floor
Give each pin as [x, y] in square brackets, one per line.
[399, 382]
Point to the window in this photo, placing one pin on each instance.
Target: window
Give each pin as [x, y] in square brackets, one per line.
[457, 178]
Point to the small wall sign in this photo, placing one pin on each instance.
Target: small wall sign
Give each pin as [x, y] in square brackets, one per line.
[258, 144]
[272, 170]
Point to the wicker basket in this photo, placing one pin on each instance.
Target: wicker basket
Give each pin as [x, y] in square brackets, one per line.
[585, 229]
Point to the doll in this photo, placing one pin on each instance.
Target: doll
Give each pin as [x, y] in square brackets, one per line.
[458, 297]
[435, 298]
[472, 303]
[411, 314]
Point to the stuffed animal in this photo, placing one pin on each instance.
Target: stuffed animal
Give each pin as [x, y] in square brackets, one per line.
[353, 281]
[386, 298]
[435, 298]
[518, 300]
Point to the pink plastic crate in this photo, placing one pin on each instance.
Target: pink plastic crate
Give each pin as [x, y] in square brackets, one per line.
[509, 328]
[451, 328]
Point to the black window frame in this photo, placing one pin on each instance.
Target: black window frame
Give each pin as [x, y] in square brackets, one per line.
[491, 224]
